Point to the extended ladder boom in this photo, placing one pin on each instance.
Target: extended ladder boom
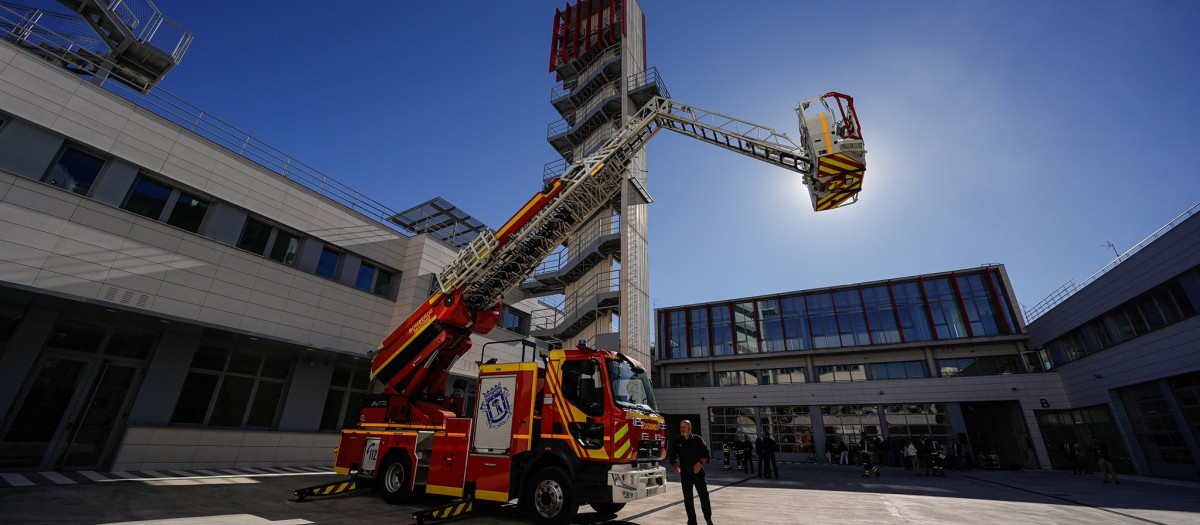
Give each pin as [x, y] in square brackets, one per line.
[416, 358]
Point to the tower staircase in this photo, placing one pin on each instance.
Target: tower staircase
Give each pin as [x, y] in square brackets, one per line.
[128, 40]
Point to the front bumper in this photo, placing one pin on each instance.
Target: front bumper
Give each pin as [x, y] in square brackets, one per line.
[630, 484]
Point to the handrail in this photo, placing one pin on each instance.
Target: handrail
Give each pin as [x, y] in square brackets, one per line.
[610, 225]
[648, 77]
[560, 90]
[173, 108]
[1069, 288]
[551, 318]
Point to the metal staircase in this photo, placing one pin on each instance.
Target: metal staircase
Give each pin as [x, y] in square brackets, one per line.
[129, 40]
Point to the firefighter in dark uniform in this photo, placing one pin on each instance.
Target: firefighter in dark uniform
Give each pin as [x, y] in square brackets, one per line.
[688, 453]
[746, 450]
[938, 459]
[870, 445]
[727, 449]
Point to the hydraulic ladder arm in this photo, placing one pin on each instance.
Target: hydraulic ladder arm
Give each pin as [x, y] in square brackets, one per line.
[414, 361]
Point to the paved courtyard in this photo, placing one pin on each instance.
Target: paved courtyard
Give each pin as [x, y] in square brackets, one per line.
[819, 494]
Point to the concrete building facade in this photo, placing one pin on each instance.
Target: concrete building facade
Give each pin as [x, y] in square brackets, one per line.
[948, 355]
[170, 301]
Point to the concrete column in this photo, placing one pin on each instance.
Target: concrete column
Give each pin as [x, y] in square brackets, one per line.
[114, 184]
[37, 147]
[306, 393]
[1125, 429]
[818, 426]
[933, 369]
[23, 349]
[957, 423]
[1180, 421]
[165, 375]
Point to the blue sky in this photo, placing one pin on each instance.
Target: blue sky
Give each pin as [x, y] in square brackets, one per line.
[1028, 133]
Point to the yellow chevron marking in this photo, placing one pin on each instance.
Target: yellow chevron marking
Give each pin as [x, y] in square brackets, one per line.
[621, 451]
[843, 165]
[621, 432]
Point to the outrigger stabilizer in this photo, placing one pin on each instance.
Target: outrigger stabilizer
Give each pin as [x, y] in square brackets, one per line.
[454, 509]
[328, 489]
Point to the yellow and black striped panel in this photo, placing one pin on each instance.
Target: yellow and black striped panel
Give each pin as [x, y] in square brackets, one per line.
[622, 443]
[452, 511]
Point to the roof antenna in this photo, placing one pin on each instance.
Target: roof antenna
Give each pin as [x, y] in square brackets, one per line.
[1110, 246]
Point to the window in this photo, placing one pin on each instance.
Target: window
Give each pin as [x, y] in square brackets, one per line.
[898, 370]
[911, 308]
[881, 317]
[347, 389]
[74, 170]
[239, 388]
[1155, 425]
[160, 202]
[737, 378]
[516, 321]
[745, 328]
[329, 263]
[840, 373]
[795, 323]
[698, 332]
[980, 309]
[979, 366]
[676, 331]
[943, 309]
[258, 235]
[770, 327]
[689, 379]
[846, 423]
[148, 198]
[188, 213]
[722, 339]
[373, 278]
[823, 320]
[850, 320]
[913, 421]
[783, 376]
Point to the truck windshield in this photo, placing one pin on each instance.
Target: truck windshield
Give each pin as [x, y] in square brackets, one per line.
[630, 385]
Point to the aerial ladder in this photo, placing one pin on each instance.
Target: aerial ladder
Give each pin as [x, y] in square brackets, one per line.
[580, 427]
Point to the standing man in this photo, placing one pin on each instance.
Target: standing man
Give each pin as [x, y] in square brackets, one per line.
[1071, 450]
[1103, 460]
[766, 457]
[688, 453]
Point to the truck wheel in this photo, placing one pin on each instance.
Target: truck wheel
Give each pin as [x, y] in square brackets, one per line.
[608, 508]
[394, 479]
[551, 497]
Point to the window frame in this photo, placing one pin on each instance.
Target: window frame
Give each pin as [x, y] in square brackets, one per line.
[379, 270]
[257, 379]
[105, 162]
[337, 268]
[272, 238]
[176, 192]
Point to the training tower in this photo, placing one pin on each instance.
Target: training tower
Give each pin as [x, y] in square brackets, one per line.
[598, 281]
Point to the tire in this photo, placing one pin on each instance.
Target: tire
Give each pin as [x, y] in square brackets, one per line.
[608, 508]
[551, 497]
[394, 479]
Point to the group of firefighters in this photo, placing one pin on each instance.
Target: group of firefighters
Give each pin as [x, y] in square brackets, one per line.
[743, 450]
[740, 451]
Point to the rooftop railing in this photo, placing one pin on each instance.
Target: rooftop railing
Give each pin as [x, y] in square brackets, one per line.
[1062, 293]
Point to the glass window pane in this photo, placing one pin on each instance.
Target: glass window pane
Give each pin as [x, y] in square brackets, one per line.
[276, 367]
[327, 266]
[285, 249]
[130, 344]
[255, 236]
[147, 199]
[353, 409]
[722, 339]
[77, 336]
[188, 213]
[266, 404]
[245, 362]
[333, 409]
[231, 402]
[210, 359]
[383, 284]
[366, 277]
[698, 331]
[74, 171]
[190, 408]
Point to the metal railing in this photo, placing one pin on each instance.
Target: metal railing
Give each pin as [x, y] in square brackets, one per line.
[1069, 288]
[191, 117]
[20, 23]
[560, 91]
[581, 300]
[150, 26]
[648, 77]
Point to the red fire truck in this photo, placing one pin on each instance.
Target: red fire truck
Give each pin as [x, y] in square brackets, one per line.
[575, 426]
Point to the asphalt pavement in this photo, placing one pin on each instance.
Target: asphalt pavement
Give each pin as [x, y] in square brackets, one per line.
[817, 494]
